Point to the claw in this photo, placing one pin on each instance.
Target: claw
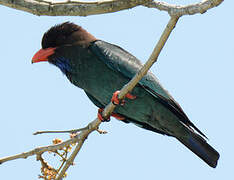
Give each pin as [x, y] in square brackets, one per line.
[115, 99]
[117, 116]
[130, 96]
[100, 117]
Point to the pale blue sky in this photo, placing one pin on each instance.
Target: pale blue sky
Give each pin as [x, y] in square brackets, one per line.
[196, 67]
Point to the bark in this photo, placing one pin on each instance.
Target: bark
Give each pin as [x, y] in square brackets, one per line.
[84, 8]
[71, 8]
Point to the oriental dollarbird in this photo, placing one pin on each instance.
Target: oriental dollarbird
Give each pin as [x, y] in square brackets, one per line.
[101, 68]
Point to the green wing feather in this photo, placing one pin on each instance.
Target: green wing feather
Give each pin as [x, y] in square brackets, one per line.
[123, 62]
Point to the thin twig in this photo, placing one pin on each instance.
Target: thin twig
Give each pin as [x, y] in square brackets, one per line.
[64, 159]
[66, 131]
[70, 160]
[83, 135]
[40, 150]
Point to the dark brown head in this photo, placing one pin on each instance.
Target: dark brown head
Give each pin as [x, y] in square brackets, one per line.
[61, 35]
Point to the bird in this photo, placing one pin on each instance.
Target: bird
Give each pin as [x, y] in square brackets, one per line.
[101, 69]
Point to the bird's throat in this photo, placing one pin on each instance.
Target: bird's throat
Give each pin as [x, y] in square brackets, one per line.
[63, 64]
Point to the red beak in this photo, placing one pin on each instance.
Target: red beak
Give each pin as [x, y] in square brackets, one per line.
[42, 55]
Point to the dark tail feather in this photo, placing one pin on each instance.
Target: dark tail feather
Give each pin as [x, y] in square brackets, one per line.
[201, 148]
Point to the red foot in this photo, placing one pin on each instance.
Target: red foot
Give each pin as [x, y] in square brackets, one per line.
[115, 100]
[115, 115]
[100, 117]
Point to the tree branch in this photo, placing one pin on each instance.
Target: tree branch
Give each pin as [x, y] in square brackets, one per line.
[40, 150]
[70, 160]
[71, 7]
[73, 131]
[84, 8]
[177, 10]
[80, 137]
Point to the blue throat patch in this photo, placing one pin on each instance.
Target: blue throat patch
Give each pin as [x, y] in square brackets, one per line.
[63, 64]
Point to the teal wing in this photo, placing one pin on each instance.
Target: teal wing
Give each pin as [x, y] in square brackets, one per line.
[128, 65]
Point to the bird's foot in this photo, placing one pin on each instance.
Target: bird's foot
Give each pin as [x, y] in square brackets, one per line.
[115, 115]
[101, 118]
[115, 99]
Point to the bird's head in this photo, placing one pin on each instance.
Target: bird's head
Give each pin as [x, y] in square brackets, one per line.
[65, 34]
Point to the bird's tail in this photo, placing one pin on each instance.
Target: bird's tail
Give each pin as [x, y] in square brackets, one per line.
[201, 148]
